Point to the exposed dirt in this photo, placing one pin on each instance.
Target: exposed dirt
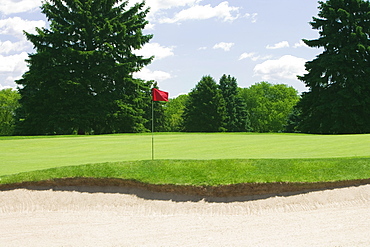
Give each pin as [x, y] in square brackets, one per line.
[234, 190]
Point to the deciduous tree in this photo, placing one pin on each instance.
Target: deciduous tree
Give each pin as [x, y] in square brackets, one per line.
[269, 105]
[173, 112]
[8, 105]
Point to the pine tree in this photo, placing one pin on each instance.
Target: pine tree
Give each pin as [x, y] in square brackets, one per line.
[205, 108]
[236, 112]
[80, 78]
[338, 100]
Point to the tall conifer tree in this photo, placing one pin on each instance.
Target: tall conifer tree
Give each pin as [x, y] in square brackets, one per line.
[236, 111]
[205, 108]
[338, 100]
[80, 78]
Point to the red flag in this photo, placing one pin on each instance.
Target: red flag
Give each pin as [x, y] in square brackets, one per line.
[159, 95]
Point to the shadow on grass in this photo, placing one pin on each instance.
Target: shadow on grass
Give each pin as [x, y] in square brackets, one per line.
[183, 193]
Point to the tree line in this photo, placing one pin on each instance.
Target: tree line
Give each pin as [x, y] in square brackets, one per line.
[212, 107]
[209, 107]
[80, 79]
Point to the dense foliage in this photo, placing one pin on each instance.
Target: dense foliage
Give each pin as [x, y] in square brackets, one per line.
[205, 108]
[173, 111]
[8, 105]
[338, 100]
[269, 105]
[80, 78]
[212, 107]
[236, 117]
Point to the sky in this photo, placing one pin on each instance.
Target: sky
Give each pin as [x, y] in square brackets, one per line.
[251, 40]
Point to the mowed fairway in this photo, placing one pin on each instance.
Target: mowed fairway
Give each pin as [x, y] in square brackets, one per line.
[21, 154]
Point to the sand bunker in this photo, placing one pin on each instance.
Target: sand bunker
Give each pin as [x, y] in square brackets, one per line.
[111, 216]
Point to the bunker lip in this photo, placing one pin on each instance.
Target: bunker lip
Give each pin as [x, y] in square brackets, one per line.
[232, 190]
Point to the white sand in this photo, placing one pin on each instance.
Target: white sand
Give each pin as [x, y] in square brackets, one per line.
[339, 217]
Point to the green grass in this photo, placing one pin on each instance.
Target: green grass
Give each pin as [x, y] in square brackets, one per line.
[211, 172]
[189, 158]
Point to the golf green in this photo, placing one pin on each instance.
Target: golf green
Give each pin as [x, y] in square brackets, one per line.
[21, 154]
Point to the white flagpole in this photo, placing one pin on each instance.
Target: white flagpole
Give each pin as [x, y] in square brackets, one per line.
[152, 129]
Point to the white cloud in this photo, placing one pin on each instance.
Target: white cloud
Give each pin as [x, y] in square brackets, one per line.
[18, 6]
[203, 48]
[156, 50]
[286, 67]
[10, 80]
[300, 44]
[253, 17]
[156, 5]
[14, 26]
[253, 56]
[157, 75]
[223, 45]
[12, 68]
[202, 12]
[5, 87]
[13, 63]
[256, 58]
[279, 45]
[149, 27]
[246, 55]
[8, 46]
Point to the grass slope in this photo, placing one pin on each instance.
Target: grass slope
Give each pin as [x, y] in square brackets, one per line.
[23, 154]
[211, 172]
[188, 159]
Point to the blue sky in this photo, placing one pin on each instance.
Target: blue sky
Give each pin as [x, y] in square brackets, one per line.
[251, 40]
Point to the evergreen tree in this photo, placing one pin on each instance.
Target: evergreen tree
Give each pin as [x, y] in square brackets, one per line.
[293, 121]
[338, 100]
[236, 112]
[205, 108]
[80, 78]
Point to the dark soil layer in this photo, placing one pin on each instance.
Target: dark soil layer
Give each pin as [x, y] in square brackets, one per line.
[233, 190]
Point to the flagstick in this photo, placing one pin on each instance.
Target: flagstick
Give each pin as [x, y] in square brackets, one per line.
[157, 95]
[152, 130]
